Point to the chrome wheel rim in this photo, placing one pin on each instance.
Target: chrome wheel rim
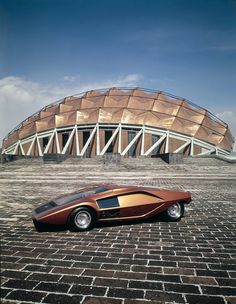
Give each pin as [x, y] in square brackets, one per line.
[83, 219]
[174, 211]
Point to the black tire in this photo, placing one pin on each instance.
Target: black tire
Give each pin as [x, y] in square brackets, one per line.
[175, 212]
[81, 219]
[39, 226]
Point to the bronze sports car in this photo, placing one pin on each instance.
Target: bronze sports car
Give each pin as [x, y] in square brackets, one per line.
[82, 209]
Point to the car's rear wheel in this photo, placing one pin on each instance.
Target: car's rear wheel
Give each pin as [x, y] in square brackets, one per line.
[175, 212]
[81, 219]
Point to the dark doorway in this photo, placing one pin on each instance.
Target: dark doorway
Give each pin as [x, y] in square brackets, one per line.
[108, 134]
[65, 137]
[155, 138]
[132, 150]
[86, 135]
[45, 142]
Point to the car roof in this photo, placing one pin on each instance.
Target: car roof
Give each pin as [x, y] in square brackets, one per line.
[114, 186]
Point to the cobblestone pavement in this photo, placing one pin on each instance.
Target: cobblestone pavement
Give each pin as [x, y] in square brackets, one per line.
[191, 261]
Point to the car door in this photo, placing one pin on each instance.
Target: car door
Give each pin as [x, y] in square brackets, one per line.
[138, 204]
[109, 207]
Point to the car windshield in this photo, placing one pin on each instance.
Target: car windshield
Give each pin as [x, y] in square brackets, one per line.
[75, 196]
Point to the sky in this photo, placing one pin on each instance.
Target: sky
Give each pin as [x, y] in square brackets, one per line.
[50, 49]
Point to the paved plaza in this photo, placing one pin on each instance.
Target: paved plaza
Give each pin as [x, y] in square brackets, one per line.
[190, 261]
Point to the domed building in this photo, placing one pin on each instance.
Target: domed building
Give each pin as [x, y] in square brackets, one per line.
[131, 122]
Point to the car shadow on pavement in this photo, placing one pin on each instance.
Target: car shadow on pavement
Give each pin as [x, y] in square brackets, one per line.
[155, 219]
[57, 228]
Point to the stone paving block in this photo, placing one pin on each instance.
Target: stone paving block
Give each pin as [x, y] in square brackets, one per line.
[123, 267]
[59, 263]
[112, 282]
[14, 274]
[88, 290]
[97, 300]
[178, 271]
[230, 300]
[9, 259]
[24, 295]
[37, 268]
[222, 266]
[186, 288]
[199, 299]
[162, 263]
[66, 270]
[44, 277]
[98, 273]
[53, 287]
[5, 291]
[232, 274]
[163, 278]
[14, 266]
[53, 298]
[226, 282]
[165, 297]
[199, 280]
[89, 265]
[212, 273]
[130, 275]
[20, 284]
[31, 261]
[125, 293]
[130, 301]
[76, 279]
[145, 285]
[215, 290]
[77, 258]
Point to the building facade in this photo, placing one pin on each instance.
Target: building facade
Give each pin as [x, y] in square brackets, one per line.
[131, 122]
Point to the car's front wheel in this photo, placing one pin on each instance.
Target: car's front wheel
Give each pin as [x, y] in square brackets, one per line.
[175, 212]
[81, 219]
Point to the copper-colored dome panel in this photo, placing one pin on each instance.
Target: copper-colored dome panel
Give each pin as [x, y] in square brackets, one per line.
[45, 114]
[165, 107]
[45, 124]
[131, 116]
[84, 116]
[73, 101]
[164, 121]
[226, 142]
[67, 119]
[140, 103]
[64, 108]
[145, 94]
[53, 109]
[119, 92]
[27, 130]
[213, 125]
[184, 126]
[11, 139]
[119, 101]
[92, 103]
[189, 114]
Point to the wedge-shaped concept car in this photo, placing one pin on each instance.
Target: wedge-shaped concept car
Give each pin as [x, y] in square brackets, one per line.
[82, 209]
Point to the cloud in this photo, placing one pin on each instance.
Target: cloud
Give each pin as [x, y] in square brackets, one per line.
[129, 80]
[221, 48]
[20, 98]
[71, 78]
[229, 116]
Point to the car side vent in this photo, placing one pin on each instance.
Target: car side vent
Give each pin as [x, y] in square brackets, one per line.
[45, 207]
